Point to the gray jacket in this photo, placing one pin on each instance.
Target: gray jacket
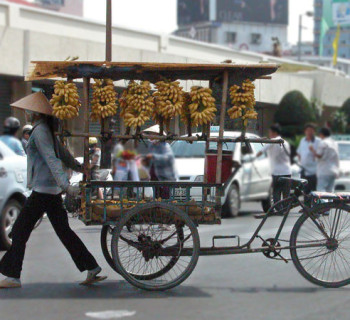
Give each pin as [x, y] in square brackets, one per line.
[45, 169]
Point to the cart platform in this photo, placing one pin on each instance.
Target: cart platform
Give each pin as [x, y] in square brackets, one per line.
[198, 200]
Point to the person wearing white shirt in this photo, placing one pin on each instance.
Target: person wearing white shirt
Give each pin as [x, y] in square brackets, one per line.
[307, 159]
[327, 155]
[279, 156]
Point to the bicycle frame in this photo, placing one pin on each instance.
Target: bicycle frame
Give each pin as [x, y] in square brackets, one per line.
[286, 204]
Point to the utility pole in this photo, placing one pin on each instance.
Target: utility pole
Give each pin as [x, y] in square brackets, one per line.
[300, 35]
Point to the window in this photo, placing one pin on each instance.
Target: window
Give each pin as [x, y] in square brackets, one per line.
[256, 38]
[231, 37]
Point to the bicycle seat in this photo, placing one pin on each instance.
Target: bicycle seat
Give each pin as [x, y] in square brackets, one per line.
[294, 183]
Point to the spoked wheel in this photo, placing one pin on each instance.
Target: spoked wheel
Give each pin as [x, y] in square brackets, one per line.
[155, 247]
[106, 245]
[324, 258]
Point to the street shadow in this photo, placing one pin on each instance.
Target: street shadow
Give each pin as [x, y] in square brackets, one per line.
[276, 289]
[105, 290]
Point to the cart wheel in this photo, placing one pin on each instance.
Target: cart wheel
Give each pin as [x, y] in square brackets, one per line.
[106, 243]
[324, 253]
[155, 246]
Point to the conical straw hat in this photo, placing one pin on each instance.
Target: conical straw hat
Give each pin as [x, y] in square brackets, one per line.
[153, 130]
[36, 102]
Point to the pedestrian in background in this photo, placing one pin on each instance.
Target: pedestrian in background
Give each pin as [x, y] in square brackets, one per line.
[307, 158]
[327, 156]
[48, 180]
[26, 131]
[11, 127]
[162, 162]
[279, 156]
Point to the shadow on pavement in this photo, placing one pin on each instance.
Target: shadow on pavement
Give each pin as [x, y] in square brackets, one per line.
[106, 290]
[276, 289]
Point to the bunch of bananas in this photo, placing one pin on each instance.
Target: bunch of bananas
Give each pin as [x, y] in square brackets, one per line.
[136, 104]
[243, 101]
[202, 107]
[65, 100]
[168, 99]
[103, 103]
[186, 113]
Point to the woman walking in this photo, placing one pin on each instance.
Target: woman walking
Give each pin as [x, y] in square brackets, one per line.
[47, 179]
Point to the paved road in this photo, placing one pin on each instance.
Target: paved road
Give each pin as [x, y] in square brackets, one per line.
[226, 287]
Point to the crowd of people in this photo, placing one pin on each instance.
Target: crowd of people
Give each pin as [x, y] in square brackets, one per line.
[318, 158]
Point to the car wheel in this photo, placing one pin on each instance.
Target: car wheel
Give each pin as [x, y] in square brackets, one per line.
[8, 217]
[267, 203]
[233, 202]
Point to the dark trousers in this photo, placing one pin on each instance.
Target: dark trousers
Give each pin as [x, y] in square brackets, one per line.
[312, 183]
[36, 205]
[280, 188]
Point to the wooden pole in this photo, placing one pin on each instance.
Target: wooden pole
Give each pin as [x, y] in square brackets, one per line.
[85, 101]
[109, 31]
[221, 126]
[105, 151]
[128, 136]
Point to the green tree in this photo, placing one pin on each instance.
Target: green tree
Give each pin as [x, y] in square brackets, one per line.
[346, 110]
[293, 112]
[339, 122]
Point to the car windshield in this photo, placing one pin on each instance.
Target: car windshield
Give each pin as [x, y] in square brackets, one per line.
[183, 149]
[344, 151]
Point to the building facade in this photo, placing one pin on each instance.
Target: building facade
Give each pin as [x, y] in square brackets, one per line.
[238, 24]
[74, 7]
[344, 41]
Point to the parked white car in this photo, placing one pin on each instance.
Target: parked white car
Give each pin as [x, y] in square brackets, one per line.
[13, 182]
[251, 183]
[343, 181]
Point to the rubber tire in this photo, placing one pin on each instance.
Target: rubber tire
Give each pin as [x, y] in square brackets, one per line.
[4, 244]
[109, 258]
[196, 248]
[323, 207]
[227, 210]
[104, 246]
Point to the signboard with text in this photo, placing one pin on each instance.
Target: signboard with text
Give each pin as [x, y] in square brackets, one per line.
[261, 11]
[341, 12]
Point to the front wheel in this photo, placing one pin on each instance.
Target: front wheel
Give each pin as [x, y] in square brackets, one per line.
[320, 246]
[155, 247]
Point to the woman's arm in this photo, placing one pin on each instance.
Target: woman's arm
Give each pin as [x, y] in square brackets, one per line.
[68, 159]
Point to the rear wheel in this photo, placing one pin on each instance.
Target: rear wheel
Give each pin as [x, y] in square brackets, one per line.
[233, 202]
[106, 241]
[325, 258]
[155, 247]
[8, 217]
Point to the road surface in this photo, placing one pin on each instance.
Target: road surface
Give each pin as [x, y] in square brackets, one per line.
[224, 287]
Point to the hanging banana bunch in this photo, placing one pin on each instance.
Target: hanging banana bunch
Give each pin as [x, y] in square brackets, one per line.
[202, 107]
[136, 104]
[243, 101]
[65, 100]
[103, 103]
[168, 99]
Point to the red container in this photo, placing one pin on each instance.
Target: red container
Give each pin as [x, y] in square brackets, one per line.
[227, 165]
